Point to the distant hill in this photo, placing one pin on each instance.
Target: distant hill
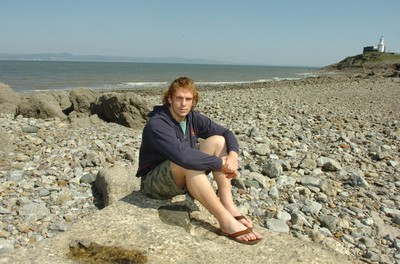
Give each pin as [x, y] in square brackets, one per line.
[72, 57]
[371, 63]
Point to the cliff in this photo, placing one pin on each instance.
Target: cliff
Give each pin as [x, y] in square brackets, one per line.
[372, 63]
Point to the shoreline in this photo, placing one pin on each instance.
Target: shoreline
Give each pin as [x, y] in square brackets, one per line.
[324, 77]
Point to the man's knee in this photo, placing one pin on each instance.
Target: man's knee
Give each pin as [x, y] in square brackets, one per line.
[213, 145]
[215, 140]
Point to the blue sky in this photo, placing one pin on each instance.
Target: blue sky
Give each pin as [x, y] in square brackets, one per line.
[284, 32]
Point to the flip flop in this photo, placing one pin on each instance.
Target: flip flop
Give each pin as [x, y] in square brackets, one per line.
[241, 217]
[234, 236]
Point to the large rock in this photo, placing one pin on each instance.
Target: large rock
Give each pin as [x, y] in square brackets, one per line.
[9, 100]
[116, 182]
[40, 105]
[126, 109]
[152, 228]
[84, 100]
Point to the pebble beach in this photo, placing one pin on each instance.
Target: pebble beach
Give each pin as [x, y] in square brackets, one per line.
[319, 158]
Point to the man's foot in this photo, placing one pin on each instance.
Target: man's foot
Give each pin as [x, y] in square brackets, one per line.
[241, 233]
[244, 220]
[240, 236]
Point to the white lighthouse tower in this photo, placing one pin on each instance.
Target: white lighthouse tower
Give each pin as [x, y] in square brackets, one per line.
[381, 45]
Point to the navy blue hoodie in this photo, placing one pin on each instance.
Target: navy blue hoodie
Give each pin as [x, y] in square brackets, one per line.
[163, 139]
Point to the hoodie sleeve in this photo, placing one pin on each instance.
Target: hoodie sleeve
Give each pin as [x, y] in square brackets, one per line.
[165, 141]
[207, 128]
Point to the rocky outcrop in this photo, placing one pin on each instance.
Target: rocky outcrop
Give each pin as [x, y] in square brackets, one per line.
[367, 64]
[81, 106]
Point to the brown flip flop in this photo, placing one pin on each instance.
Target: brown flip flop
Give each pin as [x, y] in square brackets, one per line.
[234, 236]
[242, 217]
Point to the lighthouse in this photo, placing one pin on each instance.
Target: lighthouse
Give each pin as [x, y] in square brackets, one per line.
[381, 45]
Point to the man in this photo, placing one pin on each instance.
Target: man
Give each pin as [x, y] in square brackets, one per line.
[172, 162]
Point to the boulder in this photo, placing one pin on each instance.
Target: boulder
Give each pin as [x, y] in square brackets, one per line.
[152, 230]
[115, 182]
[126, 109]
[9, 100]
[40, 105]
[84, 100]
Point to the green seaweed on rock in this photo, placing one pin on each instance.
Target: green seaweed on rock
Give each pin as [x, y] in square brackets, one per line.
[85, 252]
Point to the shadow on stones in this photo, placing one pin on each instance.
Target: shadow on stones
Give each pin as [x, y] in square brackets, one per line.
[179, 213]
[97, 198]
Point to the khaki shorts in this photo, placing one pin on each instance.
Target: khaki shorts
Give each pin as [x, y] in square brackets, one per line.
[159, 183]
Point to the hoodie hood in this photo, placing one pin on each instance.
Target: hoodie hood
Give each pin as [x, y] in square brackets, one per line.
[159, 109]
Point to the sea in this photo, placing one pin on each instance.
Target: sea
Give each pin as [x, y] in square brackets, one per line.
[23, 76]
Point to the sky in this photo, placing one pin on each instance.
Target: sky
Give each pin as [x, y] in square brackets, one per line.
[312, 33]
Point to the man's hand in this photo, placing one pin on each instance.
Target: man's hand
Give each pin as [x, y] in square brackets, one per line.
[230, 165]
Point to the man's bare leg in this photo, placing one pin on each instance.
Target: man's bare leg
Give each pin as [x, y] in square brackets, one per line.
[216, 146]
[200, 188]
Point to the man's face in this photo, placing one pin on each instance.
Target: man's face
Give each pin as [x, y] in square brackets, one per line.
[181, 103]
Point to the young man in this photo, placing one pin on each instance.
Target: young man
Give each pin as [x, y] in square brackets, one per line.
[171, 162]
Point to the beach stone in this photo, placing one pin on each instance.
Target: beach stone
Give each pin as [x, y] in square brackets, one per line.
[87, 178]
[276, 225]
[262, 149]
[311, 207]
[4, 210]
[359, 181]
[6, 244]
[16, 175]
[6, 142]
[310, 181]
[286, 181]
[329, 221]
[273, 192]
[396, 219]
[272, 169]
[368, 242]
[283, 216]
[256, 180]
[308, 163]
[30, 129]
[329, 187]
[328, 164]
[33, 212]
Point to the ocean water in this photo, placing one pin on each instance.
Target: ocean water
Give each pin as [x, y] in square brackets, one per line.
[55, 75]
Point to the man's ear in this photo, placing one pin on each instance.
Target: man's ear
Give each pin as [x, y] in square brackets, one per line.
[170, 99]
